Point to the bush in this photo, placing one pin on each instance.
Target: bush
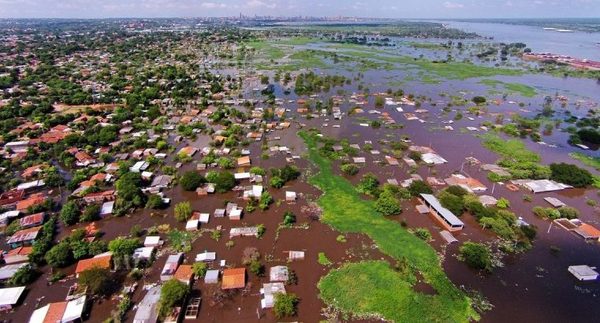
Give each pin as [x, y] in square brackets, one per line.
[568, 212]
[224, 181]
[172, 293]
[59, 256]
[417, 188]
[289, 218]
[24, 276]
[97, 280]
[191, 180]
[369, 185]
[476, 255]
[154, 202]
[276, 182]
[571, 175]
[503, 203]
[69, 214]
[285, 305]
[91, 213]
[387, 204]
[183, 211]
[479, 100]
[546, 212]
[199, 269]
[423, 233]
[452, 202]
[257, 268]
[349, 169]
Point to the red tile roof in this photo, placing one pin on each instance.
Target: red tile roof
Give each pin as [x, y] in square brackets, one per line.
[234, 278]
[98, 261]
[31, 201]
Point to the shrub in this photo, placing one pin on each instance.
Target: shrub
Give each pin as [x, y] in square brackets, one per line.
[276, 182]
[387, 204]
[154, 202]
[97, 280]
[191, 180]
[571, 175]
[503, 203]
[257, 268]
[91, 213]
[323, 260]
[369, 184]
[349, 169]
[417, 188]
[568, 212]
[423, 233]
[285, 305]
[70, 213]
[476, 255]
[199, 269]
[59, 256]
[289, 218]
[172, 293]
[224, 181]
[183, 211]
[452, 202]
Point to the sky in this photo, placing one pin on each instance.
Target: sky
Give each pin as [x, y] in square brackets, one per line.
[354, 8]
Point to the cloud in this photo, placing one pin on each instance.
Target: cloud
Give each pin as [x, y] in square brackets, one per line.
[453, 5]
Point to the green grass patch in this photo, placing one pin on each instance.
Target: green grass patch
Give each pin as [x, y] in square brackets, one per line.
[323, 260]
[431, 46]
[522, 89]
[345, 210]
[449, 70]
[266, 49]
[296, 41]
[587, 160]
[516, 158]
[374, 289]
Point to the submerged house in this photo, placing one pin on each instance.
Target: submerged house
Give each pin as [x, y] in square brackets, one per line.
[173, 262]
[446, 218]
[63, 312]
[147, 309]
[9, 297]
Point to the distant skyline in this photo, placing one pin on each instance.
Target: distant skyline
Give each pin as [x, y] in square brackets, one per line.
[317, 8]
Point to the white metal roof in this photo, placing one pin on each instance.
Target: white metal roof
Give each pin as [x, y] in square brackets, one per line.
[10, 296]
[443, 212]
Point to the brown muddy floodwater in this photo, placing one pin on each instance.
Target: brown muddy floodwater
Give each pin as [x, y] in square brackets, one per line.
[530, 287]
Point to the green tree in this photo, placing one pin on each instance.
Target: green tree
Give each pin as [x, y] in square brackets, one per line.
[172, 293]
[191, 180]
[183, 211]
[387, 204]
[24, 276]
[224, 181]
[276, 182]
[199, 269]
[285, 305]
[571, 175]
[97, 280]
[154, 202]
[289, 218]
[476, 255]
[91, 213]
[59, 256]
[417, 188]
[349, 169]
[69, 214]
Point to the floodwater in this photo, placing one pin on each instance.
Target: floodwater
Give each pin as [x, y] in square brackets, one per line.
[576, 44]
[534, 286]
